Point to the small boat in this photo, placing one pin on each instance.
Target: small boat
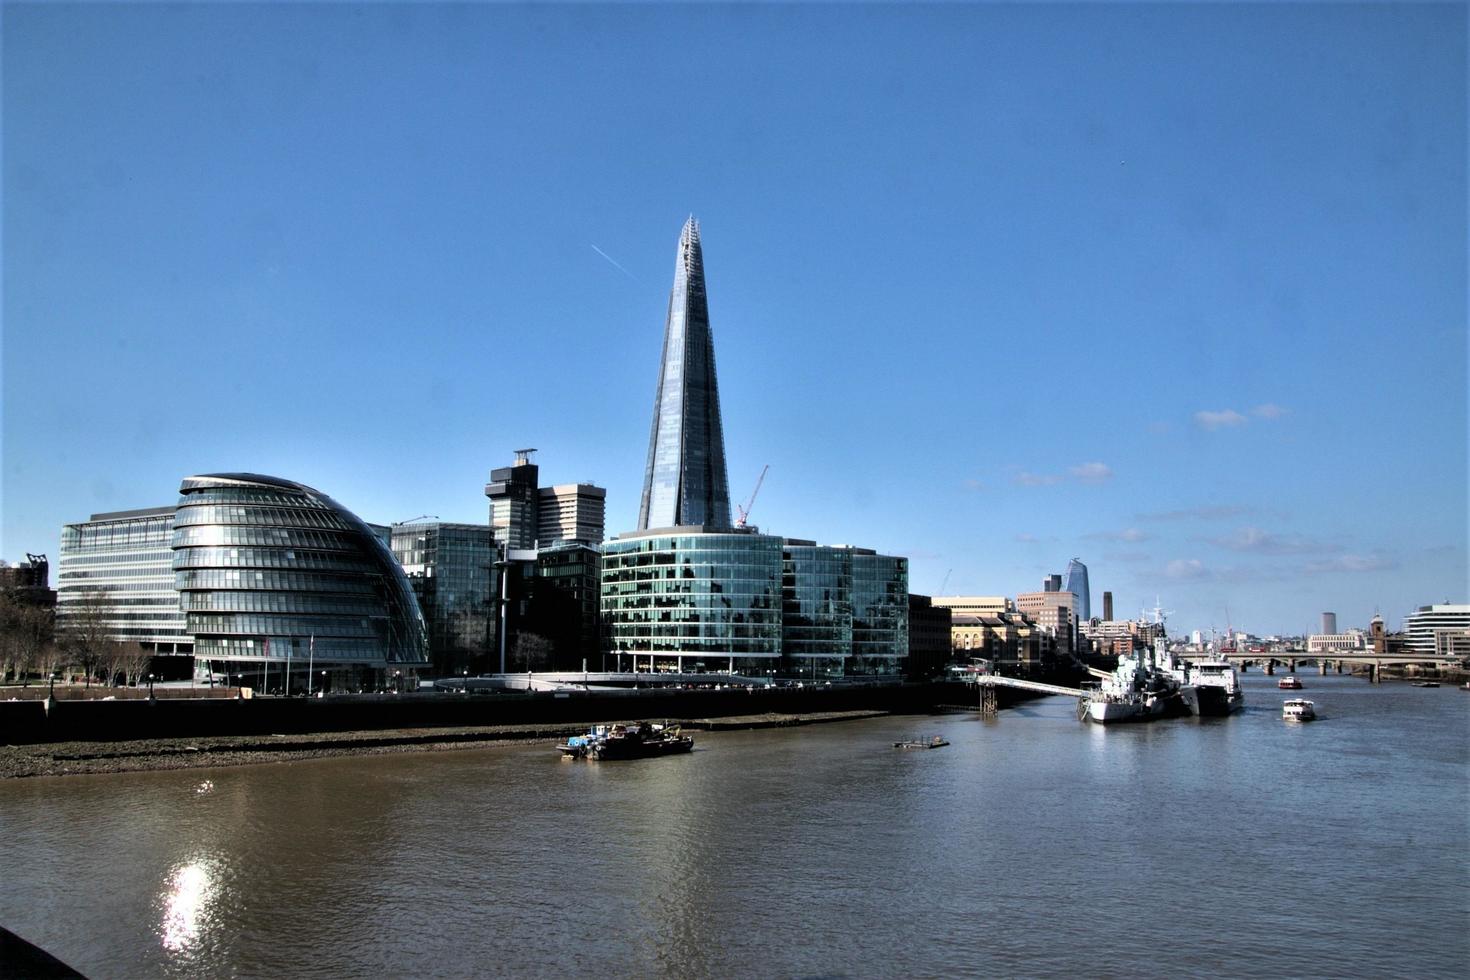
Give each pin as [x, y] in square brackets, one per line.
[1289, 683]
[936, 742]
[1298, 709]
[1426, 683]
[641, 740]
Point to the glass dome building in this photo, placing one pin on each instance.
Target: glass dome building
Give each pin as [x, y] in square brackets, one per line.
[273, 574]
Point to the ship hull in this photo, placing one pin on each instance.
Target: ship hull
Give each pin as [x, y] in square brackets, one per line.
[1216, 702]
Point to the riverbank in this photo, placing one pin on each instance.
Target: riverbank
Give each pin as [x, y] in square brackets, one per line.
[147, 755]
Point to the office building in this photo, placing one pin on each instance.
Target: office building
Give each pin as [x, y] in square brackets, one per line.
[1077, 585]
[1329, 623]
[525, 515]
[1055, 612]
[1107, 605]
[450, 568]
[121, 561]
[274, 575]
[975, 605]
[929, 637]
[565, 599]
[1430, 630]
[28, 582]
[1052, 583]
[684, 483]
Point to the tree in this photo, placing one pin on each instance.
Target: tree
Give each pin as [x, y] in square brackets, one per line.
[83, 629]
[133, 659]
[25, 630]
[533, 651]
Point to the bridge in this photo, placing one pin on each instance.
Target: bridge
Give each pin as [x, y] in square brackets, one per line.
[1326, 659]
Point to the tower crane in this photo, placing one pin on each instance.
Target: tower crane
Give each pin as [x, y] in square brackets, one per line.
[744, 512]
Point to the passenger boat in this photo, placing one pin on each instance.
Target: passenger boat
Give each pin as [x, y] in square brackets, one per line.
[1298, 709]
[1426, 683]
[935, 742]
[1289, 683]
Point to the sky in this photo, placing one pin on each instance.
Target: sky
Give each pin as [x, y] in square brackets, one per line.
[1176, 289]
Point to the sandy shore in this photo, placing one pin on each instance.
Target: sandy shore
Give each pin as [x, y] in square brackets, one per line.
[146, 755]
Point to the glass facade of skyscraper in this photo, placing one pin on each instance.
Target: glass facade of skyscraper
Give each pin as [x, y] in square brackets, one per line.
[684, 482]
[678, 598]
[816, 602]
[273, 571]
[450, 568]
[880, 613]
[1077, 585]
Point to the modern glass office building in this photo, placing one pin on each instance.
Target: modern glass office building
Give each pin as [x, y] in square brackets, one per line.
[816, 608]
[449, 567]
[880, 613]
[684, 482]
[272, 573]
[123, 560]
[690, 598]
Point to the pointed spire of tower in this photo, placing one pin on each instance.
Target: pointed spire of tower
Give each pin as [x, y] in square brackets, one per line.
[684, 482]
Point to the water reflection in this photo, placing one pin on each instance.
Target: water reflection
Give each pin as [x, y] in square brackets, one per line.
[187, 903]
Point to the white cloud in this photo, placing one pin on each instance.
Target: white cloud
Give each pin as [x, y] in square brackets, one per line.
[1027, 479]
[1129, 534]
[1351, 563]
[1186, 570]
[1091, 473]
[1209, 513]
[1257, 541]
[1219, 420]
[1268, 411]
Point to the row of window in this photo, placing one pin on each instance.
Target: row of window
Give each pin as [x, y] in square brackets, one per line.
[190, 516]
[282, 581]
[121, 559]
[247, 495]
[216, 624]
[279, 602]
[325, 650]
[285, 558]
[271, 537]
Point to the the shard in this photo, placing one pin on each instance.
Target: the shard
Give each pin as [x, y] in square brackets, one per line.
[684, 483]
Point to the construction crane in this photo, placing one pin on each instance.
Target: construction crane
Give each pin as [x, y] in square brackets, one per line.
[744, 512]
[421, 517]
[946, 581]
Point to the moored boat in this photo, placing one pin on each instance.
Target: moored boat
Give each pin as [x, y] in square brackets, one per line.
[934, 742]
[641, 740]
[1298, 709]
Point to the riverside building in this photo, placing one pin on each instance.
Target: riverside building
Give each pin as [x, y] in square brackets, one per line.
[1433, 630]
[277, 579]
[121, 563]
[688, 589]
[449, 567]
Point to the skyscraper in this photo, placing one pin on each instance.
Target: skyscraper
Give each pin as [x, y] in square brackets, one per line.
[684, 483]
[1077, 585]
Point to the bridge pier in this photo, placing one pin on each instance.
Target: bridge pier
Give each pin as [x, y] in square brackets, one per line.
[1339, 666]
[1270, 668]
[1293, 667]
[1322, 667]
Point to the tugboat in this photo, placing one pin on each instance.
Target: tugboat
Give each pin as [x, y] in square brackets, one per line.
[640, 740]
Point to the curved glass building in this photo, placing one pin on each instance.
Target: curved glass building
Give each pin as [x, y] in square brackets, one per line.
[678, 594]
[1077, 585]
[271, 573]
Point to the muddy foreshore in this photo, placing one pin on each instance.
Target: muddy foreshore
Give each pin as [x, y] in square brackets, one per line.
[147, 755]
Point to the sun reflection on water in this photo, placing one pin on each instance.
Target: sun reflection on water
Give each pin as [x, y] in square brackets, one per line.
[186, 900]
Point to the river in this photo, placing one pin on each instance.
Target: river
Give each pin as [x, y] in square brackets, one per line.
[1032, 846]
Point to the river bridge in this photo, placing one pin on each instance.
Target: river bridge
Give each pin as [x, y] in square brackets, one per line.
[1327, 661]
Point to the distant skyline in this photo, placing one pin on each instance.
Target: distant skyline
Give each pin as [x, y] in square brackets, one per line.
[1176, 289]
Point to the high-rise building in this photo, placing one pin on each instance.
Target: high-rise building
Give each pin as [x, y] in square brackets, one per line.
[450, 568]
[28, 582]
[122, 563]
[1055, 613]
[1077, 585]
[688, 589]
[1107, 605]
[570, 514]
[272, 574]
[684, 482]
[1052, 583]
[514, 508]
[1329, 623]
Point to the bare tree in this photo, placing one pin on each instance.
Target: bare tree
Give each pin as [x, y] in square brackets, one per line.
[28, 631]
[84, 632]
[133, 659]
[533, 651]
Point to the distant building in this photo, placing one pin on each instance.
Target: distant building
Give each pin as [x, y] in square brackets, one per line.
[929, 637]
[1052, 583]
[1107, 605]
[122, 560]
[450, 568]
[1354, 642]
[1077, 585]
[1056, 614]
[1423, 626]
[565, 603]
[570, 514]
[1329, 623]
[273, 575]
[514, 505]
[1010, 641]
[975, 605]
[28, 582]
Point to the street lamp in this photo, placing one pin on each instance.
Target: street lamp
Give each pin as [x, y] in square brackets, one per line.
[323, 691]
[150, 687]
[466, 688]
[398, 682]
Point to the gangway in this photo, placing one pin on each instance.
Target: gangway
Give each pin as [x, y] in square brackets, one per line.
[997, 680]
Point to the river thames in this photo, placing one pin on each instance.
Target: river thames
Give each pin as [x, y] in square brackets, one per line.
[1032, 846]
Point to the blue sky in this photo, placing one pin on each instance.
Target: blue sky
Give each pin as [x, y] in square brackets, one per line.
[1179, 289]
